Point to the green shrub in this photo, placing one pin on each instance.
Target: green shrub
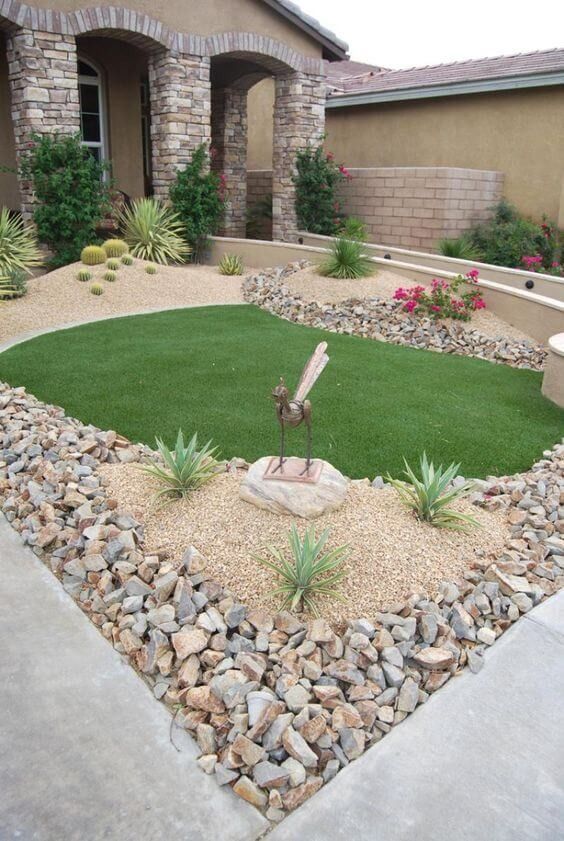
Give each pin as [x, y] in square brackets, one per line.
[231, 264]
[310, 573]
[18, 244]
[353, 228]
[110, 277]
[153, 232]
[184, 469]
[127, 260]
[429, 497]
[113, 264]
[461, 248]
[97, 289]
[115, 247]
[84, 276]
[317, 179]
[198, 197]
[150, 269]
[508, 237]
[93, 255]
[70, 192]
[347, 261]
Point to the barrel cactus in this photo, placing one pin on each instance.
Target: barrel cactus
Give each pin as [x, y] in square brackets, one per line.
[97, 289]
[127, 260]
[110, 277]
[115, 247]
[113, 264]
[150, 269]
[84, 276]
[231, 264]
[93, 255]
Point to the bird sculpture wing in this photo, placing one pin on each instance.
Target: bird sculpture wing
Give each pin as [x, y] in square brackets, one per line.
[312, 371]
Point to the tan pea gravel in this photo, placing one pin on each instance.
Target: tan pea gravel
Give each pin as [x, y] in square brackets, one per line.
[325, 290]
[391, 552]
[58, 298]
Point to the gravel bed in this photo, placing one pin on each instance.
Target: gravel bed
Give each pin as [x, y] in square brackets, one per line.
[58, 298]
[391, 552]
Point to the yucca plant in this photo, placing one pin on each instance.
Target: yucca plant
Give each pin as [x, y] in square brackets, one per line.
[353, 228]
[154, 232]
[429, 497]
[347, 261]
[97, 289]
[18, 244]
[183, 469]
[310, 573]
[231, 264]
[7, 289]
[113, 264]
[115, 247]
[461, 248]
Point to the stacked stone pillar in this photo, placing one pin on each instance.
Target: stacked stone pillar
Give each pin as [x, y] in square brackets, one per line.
[43, 76]
[299, 121]
[180, 112]
[229, 144]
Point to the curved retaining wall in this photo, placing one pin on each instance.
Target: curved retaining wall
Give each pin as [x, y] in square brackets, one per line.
[553, 380]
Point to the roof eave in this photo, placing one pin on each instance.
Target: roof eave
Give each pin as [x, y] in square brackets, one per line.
[533, 80]
[333, 51]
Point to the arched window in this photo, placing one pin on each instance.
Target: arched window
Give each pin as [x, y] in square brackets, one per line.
[92, 109]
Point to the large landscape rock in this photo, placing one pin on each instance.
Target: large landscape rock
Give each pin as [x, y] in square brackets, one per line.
[300, 499]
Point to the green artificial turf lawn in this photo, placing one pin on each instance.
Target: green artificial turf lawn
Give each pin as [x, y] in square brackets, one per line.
[211, 370]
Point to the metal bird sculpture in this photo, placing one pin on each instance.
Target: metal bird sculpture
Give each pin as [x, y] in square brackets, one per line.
[294, 412]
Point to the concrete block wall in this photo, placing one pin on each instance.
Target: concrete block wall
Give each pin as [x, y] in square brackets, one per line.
[414, 207]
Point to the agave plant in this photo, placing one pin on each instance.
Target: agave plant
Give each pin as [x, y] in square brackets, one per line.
[430, 496]
[347, 261]
[153, 232]
[183, 469]
[18, 244]
[231, 264]
[461, 249]
[353, 228]
[311, 573]
[7, 289]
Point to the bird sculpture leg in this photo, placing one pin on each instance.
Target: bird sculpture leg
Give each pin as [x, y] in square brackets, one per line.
[307, 421]
[280, 465]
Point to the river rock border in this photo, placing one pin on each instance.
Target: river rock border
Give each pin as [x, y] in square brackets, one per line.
[277, 706]
[382, 319]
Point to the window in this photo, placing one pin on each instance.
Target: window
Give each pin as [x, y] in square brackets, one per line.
[92, 116]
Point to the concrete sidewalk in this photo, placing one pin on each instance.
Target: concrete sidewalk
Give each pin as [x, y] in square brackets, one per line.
[483, 759]
[85, 750]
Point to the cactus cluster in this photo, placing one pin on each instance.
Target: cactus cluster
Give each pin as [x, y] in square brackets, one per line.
[113, 264]
[84, 276]
[110, 277]
[150, 269]
[93, 255]
[127, 260]
[231, 264]
[115, 247]
[97, 289]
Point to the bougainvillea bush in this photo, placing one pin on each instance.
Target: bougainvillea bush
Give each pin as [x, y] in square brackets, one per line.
[317, 179]
[535, 264]
[443, 299]
[508, 237]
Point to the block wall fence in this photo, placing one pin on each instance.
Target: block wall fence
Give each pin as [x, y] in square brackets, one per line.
[413, 207]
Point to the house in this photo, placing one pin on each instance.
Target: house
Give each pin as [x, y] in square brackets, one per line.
[147, 82]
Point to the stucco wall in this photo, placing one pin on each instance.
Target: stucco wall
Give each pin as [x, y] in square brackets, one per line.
[9, 191]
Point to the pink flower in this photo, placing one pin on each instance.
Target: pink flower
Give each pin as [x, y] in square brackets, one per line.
[410, 306]
[344, 171]
[479, 304]
[473, 274]
[400, 294]
[435, 308]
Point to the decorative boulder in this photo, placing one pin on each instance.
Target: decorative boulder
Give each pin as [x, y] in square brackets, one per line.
[300, 499]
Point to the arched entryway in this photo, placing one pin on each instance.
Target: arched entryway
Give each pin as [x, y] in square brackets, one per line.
[9, 187]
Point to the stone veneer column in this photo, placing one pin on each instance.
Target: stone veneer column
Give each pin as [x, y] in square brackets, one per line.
[43, 76]
[299, 121]
[229, 144]
[180, 112]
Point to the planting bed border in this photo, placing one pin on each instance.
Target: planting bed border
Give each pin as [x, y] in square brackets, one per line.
[277, 706]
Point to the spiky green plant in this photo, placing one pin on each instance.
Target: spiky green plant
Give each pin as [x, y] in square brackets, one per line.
[150, 269]
[353, 228]
[110, 277]
[429, 497]
[127, 260]
[231, 264]
[93, 255]
[7, 289]
[84, 276]
[115, 247]
[183, 469]
[18, 244]
[97, 289]
[347, 261]
[310, 573]
[154, 232]
[461, 248]
[113, 264]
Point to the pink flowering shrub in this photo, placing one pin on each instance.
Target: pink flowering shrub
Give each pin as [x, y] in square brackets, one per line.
[443, 299]
[536, 264]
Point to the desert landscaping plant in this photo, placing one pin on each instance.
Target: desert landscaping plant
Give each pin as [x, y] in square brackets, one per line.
[508, 237]
[431, 496]
[18, 244]
[71, 195]
[347, 261]
[198, 196]
[154, 232]
[7, 289]
[84, 275]
[93, 255]
[183, 469]
[310, 572]
[317, 180]
[110, 276]
[231, 264]
[150, 269]
[127, 260]
[353, 228]
[97, 289]
[461, 248]
[113, 264]
[440, 300]
[115, 247]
